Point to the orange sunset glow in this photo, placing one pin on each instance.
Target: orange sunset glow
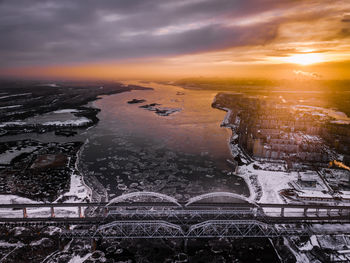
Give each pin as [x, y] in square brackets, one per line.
[186, 38]
[175, 131]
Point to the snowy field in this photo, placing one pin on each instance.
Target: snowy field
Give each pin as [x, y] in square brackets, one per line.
[9, 155]
[63, 117]
[271, 183]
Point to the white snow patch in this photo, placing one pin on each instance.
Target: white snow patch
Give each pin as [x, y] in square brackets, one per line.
[38, 242]
[12, 123]
[52, 230]
[14, 95]
[78, 188]
[79, 259]
[78, 122]
[7, 244]
[271, 183]
[15, 199]
[10, 107]
[300, 257]
[67, 111]
[252, 192]
[9, 155]
[310, 244]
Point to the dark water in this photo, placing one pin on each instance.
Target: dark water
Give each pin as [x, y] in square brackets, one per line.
[182, 155]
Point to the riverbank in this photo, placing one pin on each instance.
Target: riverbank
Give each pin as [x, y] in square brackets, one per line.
[60, 108]
[50, 169]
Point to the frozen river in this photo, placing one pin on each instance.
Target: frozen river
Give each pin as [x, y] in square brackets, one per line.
[182, 155]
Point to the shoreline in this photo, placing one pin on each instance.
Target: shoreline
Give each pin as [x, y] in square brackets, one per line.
[85, 116]
[80, 172]
[252, 183]
[250, 174]
[78, 180]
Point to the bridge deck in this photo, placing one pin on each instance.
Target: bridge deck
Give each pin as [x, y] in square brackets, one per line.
[168, 204]
[168, 220]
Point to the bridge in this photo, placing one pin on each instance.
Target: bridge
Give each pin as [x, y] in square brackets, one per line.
[155, 215]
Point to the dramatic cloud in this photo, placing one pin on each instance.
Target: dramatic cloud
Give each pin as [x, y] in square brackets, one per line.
[48, 33]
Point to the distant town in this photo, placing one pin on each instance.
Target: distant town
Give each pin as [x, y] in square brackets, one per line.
[307, 141]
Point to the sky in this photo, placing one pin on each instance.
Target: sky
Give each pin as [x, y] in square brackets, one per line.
[114, 39]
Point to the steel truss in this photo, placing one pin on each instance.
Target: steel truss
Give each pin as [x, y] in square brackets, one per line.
[166, 217]
[183, 216]
[163, 229]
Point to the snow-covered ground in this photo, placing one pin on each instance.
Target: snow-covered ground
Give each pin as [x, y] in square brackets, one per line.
[77, 122]
[14, 95]
[336, 246]
[10, 107]
[15, 199]
[9, 155]
[66, 111]
[79, 259]
[78, 192]
[74, 122]
[271, 183]
[12, 123]
[63, 117]
[265, 187]
[78, 189]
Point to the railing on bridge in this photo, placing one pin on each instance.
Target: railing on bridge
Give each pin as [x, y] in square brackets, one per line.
[154, 209]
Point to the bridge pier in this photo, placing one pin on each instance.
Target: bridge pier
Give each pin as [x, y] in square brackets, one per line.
[305, 211]
[93, 245]
[80, 212]
[185, 244]
[52, 211]
[25, 215]
[282, 212]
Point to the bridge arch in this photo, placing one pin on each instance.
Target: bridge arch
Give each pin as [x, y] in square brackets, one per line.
[219, 194]
[124, 197]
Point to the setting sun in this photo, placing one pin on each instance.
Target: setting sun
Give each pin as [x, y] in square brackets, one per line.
[305, 59]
